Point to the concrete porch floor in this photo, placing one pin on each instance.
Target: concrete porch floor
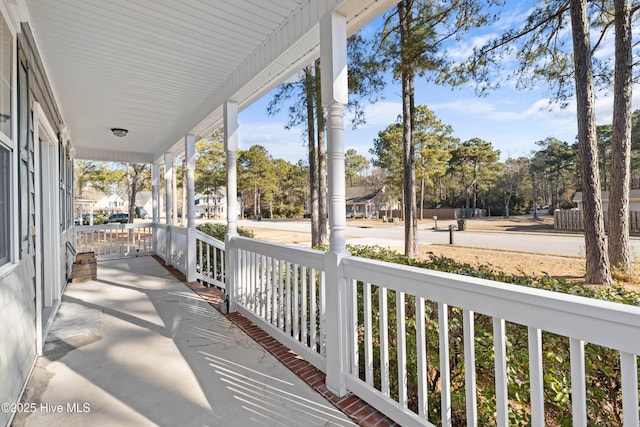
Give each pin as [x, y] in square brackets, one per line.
[138, 347]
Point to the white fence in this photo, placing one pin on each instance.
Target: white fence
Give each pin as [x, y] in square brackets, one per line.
[572, 220]
[115, 240]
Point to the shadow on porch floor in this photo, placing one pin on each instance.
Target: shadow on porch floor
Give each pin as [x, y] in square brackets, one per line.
[137, 347]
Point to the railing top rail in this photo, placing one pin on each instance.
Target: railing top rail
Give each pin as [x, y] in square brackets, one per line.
[596, 321]
[113, 226]
[210, 240]
[304, 256]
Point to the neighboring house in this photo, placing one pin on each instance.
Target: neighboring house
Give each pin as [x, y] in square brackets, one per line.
[214, 205]
[364, 201]
[144, 201]
[634, 200]
[112, 203]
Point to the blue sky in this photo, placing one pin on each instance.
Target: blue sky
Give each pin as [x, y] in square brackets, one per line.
[512, 120]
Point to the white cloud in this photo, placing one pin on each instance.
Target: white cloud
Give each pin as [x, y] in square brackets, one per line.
[280, 142]
[464, 48]
[378, 115]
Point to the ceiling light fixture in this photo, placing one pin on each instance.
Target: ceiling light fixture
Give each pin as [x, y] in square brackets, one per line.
[119, 132]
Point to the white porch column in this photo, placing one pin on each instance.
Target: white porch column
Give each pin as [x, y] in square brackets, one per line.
[190, 209]
[230, 148]
[155, 192]
[333, 56]
[168, 180]
[155, 202]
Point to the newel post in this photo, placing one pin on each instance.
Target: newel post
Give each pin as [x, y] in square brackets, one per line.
[333, 57]
[231, 147]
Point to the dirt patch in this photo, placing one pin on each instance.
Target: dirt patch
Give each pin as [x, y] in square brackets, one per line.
[530, 264]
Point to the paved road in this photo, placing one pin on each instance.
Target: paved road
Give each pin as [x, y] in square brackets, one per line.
[551, 243]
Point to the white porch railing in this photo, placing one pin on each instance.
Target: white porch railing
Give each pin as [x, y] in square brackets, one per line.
[421, 344]
[115, 240]
[210, 260]
[408, 326]
[281, 288]
[399, 308]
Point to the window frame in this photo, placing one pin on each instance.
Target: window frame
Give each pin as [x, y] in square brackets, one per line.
[7, 142]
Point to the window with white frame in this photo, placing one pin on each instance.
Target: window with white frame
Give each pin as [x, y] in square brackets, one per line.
[6, 144]
[6, 65]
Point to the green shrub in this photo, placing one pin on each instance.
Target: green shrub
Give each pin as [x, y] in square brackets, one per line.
[218, 231]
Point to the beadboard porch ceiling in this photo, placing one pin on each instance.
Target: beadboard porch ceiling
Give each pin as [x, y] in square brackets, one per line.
[163, 68]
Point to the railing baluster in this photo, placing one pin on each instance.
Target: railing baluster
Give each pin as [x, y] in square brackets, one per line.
[536, 380]
[313, 324]
[269, 288]
[288, 299]
[245, 277]
[223, 277]
[500, 351]
[445, 374]
[239, 291]
[211, 272]
[401, 328]
[303, 301]
[352, 296]
[368, 335]
[212, 254]
[384, 341]
[281, 302]
[323, 314]
[264, 308]
[255, 271]
[470, 366]
[274, 291]
[629, 375]
[578, 383]
[421, 347]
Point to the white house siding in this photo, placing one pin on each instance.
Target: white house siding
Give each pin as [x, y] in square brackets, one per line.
[19, 338]
[18, 334]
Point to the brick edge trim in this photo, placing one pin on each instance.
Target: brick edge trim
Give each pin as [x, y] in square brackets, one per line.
[351, 405]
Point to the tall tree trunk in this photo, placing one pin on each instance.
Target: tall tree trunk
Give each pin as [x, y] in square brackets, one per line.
[323, 209]
[597, 261]
[534, 192]
[408, 148]
[422, 198]
[313, 159]
[132, 193]
[507, 200]
[619, 253]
